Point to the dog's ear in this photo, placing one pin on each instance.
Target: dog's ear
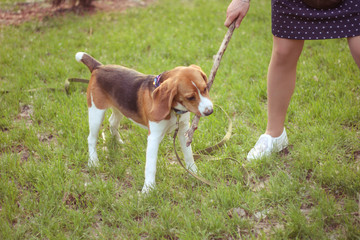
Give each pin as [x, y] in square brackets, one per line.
[163, 97]
[201, 72]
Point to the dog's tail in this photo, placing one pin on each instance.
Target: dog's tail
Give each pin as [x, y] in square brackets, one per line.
[88, 60]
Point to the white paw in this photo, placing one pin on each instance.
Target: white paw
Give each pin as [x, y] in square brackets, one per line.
[93, 161]
[116, 134]
[147, 188]
[120, 141]
[193, 168]
[118, 138]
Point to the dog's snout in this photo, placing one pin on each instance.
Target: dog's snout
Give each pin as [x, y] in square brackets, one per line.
[208, 111]
[205, 106]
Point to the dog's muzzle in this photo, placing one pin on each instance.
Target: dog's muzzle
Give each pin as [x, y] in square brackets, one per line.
[208, 111]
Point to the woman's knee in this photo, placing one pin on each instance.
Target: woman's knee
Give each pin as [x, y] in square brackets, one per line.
[286, 51]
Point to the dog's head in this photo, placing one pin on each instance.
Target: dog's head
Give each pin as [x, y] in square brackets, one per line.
[183, 88]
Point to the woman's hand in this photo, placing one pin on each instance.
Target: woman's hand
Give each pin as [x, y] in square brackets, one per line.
[236, 11]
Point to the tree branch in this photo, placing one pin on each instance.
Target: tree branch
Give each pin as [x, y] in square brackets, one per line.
[189, 134]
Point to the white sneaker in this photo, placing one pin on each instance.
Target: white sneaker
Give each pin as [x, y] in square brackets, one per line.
[266, 145]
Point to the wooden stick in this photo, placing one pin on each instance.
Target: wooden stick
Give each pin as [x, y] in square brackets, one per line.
[189, 134]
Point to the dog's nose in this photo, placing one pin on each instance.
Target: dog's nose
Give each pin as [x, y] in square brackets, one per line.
[208, 111]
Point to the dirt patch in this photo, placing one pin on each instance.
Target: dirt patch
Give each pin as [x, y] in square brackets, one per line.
[22, 151]
[76, 200]
[26, 112]
[17, 13]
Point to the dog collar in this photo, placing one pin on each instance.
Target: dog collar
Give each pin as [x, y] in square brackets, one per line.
[179, 112]
[157, 80]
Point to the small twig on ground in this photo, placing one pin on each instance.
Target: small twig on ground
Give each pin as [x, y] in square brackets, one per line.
[189, 134]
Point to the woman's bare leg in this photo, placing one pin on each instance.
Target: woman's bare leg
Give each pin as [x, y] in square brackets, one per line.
[281, 81]
[280, 87]
[354, 45]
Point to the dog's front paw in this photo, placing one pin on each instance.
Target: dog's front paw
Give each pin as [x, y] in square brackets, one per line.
[93, 161]
[147, 188]
[192, 168]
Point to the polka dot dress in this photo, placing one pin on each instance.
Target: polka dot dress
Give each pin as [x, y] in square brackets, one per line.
[294, 20]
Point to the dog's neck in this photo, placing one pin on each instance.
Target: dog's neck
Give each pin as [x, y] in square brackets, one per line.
[179, 112]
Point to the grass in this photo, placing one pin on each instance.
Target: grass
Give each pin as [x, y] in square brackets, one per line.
[48, 192]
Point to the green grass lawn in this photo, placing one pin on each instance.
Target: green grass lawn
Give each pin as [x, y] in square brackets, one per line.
[48, 192]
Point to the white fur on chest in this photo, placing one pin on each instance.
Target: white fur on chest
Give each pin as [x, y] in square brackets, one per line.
[167, 126]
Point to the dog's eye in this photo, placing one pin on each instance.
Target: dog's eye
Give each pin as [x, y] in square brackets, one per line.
[192, 98]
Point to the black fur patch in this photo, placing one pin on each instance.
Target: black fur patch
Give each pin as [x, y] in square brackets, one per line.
[123, 84]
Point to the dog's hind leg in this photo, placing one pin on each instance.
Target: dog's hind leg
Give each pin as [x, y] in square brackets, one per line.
[96, 117]
[114, 120]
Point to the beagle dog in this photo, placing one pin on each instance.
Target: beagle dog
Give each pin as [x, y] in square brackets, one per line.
[150, 101]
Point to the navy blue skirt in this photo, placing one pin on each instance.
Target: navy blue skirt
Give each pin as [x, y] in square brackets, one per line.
[292, 19]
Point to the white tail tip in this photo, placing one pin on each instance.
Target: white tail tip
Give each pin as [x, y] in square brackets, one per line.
[79, 56]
